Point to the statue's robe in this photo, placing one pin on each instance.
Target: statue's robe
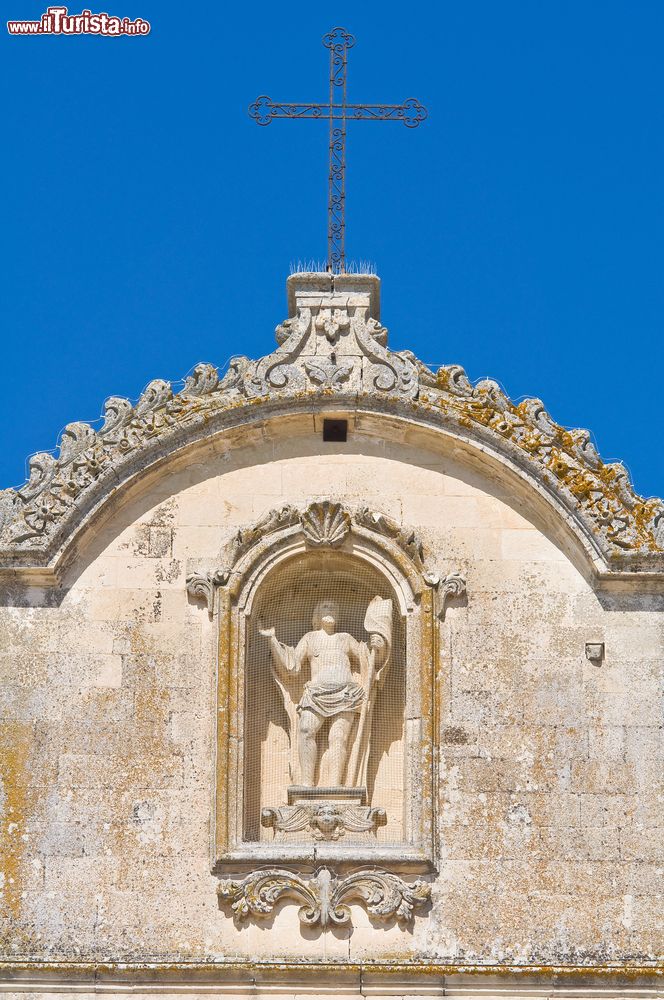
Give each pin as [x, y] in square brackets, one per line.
[325, 699]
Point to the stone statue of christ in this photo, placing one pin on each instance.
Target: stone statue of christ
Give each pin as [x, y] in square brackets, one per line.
[342, 674]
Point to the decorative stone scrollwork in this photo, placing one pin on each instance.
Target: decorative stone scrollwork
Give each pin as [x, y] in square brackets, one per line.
[278, 370]
[325, 524]
[388, 372]
[449, 587]
[274, 520]
[323, 820]
[331, 345]
[404, 537]
[566, 459]
[201, 586]
[326, 373]
[325, 898]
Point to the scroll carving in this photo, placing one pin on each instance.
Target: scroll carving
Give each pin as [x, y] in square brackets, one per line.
[201, 586]
[387, 372]
[404, 537]
[324, 524]
[325, 899]
[325, 349]
[449, 587]
[277, 370]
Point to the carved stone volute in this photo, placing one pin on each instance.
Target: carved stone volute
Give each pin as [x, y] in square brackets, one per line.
[331, 348]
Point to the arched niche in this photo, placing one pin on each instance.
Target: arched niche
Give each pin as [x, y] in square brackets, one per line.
[286, 598]
[282, 569]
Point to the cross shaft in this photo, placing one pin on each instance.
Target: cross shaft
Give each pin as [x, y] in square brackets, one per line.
[411, 113]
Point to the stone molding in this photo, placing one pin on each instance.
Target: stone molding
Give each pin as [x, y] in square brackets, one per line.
[331, 352]
[324, 899]
[324, 524]
[641, 980]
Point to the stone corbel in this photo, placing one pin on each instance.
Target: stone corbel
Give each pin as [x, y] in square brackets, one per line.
[202, 586]
[323, 820]
[324, 899]
[450, 586]
[325, 524]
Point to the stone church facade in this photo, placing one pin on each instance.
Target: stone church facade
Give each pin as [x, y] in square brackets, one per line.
[330, 676]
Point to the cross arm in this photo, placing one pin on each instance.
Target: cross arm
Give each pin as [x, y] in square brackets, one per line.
[411, 112]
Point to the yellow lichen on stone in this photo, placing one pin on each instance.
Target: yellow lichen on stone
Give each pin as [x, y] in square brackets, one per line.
[15, 796]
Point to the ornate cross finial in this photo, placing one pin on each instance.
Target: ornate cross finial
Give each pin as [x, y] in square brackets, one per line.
[411, 113]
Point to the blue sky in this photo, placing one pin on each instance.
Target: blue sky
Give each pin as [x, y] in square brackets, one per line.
[149, 224]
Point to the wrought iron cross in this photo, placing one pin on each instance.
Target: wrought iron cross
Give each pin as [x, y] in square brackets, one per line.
[411, 113]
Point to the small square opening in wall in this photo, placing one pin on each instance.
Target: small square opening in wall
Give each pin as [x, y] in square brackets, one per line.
[335, 430]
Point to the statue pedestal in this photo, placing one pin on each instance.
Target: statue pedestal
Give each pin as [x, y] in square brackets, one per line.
[325, 813]
[331, 793]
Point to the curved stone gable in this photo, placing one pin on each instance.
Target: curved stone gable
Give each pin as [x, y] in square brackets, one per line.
[332, 355]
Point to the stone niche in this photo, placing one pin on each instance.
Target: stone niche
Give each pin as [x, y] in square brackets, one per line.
[328, 625]
[355, 792]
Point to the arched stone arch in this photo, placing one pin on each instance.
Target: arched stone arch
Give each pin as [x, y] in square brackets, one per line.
[327, 545]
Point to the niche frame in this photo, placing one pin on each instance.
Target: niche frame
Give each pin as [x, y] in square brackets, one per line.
[396, 554]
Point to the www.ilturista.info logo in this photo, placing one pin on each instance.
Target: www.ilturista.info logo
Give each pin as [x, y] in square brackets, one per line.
[57, 21]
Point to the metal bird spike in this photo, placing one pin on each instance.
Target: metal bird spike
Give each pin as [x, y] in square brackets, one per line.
[411, 113]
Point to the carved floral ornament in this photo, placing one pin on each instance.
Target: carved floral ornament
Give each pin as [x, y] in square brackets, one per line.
[325, 524]
[335, 351]
[324, 899]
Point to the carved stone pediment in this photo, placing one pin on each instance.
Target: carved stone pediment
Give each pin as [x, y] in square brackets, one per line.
[334, 343]
[333, 349]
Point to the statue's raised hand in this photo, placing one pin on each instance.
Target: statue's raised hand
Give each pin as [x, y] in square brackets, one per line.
[267, 632]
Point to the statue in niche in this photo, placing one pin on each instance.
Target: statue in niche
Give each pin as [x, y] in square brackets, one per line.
[332, 678]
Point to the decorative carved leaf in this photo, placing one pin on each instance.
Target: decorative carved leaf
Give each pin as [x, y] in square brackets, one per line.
[333, 322]
[327, 374]
[274, 520]
[325, 899]
[385, 896]
[203, 380]
[90, 464]
[404, 537]
[258, 894]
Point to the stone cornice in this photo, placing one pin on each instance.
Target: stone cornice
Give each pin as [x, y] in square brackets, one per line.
[636, 978]
[331, 353]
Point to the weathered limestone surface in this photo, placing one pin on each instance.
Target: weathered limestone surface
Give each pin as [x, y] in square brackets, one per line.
[550, 781]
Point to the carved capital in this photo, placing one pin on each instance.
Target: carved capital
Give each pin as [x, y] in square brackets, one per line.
[324, 899]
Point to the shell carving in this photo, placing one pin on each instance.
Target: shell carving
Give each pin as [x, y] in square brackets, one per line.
[325, 524]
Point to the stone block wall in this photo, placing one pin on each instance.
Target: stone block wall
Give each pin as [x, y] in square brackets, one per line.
[550, 795]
